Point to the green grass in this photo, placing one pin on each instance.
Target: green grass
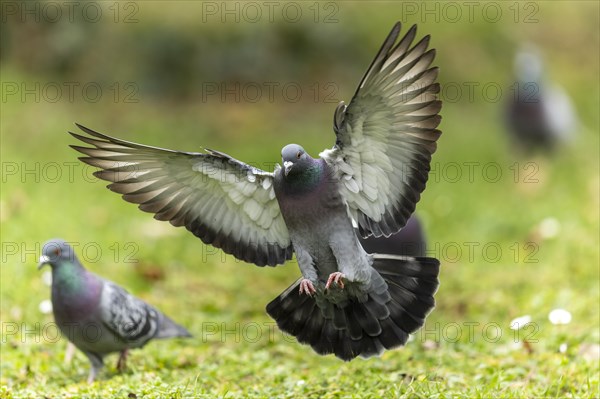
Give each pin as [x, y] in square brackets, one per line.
[237, 351]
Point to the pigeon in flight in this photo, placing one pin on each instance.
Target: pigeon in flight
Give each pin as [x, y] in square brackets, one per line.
[539, 115]
[98, 316]
[347, 302]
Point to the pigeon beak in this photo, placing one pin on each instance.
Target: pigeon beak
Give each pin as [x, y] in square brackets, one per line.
[44, 260]
[287, 166]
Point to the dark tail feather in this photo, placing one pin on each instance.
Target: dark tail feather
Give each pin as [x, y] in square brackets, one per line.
[411, 284]
[398, 300]
[169, 329]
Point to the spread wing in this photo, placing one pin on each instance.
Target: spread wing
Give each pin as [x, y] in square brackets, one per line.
[221, 200]
[386, 135]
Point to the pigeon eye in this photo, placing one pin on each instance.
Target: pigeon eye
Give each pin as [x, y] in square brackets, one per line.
[56, 251]
[299, 154]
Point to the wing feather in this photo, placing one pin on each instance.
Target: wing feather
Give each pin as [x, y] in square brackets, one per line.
[221, 200]
[130, 319]
[386, 135]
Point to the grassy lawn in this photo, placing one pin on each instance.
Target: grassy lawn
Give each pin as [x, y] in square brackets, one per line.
[516, 236]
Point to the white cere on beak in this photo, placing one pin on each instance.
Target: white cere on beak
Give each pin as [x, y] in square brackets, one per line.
[44, 260]
[287, 165]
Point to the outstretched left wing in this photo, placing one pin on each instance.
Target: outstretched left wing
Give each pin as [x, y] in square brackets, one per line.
[224, 202]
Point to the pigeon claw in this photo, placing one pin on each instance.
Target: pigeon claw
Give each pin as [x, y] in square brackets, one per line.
[335, 278]
[307, 287]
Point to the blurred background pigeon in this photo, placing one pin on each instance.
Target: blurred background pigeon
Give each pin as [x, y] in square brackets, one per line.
[98, 316]
[539, 115]
[410, 241]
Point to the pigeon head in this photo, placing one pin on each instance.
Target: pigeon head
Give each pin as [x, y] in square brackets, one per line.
[295, 159]
[528, 65]
[56, 252]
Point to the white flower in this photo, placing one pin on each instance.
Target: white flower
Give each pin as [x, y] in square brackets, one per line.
[559, 316]
[562, 348]
[549, 227]
[45, 306]
[16, 312]
[520, 322]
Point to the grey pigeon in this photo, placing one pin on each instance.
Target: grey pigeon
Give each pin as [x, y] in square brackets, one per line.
[539, 114]
[347, 302]
[98, 316]
[410, 241]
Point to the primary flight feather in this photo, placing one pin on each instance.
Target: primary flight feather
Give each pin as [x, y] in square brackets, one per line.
[347, 302]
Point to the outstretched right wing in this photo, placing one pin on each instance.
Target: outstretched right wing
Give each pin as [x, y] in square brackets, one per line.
[224, 202]
[386, 135]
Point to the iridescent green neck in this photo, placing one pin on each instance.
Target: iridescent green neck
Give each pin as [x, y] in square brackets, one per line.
[68, 278]
[306, 179]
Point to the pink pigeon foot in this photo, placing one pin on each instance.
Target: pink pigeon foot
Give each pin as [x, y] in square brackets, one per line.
[307, 287]
[69, 353]
[335, 278]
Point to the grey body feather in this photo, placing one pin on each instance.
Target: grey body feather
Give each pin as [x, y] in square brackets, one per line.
[333, 244]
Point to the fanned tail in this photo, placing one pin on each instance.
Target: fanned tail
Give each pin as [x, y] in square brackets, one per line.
[398, 300]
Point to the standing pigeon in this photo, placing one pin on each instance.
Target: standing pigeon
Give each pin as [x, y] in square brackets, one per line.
[347, 302]
[98, 316]
[410, 241]
[539, 115]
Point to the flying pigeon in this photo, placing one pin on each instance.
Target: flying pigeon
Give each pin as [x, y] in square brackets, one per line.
[347, 302]
[98, 316]
[409, 241]
[539, 115]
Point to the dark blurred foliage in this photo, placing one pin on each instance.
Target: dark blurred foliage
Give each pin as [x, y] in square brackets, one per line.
[171, 52]
[171, 61]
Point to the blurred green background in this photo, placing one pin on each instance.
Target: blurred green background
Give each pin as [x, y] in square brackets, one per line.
[516, 235]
